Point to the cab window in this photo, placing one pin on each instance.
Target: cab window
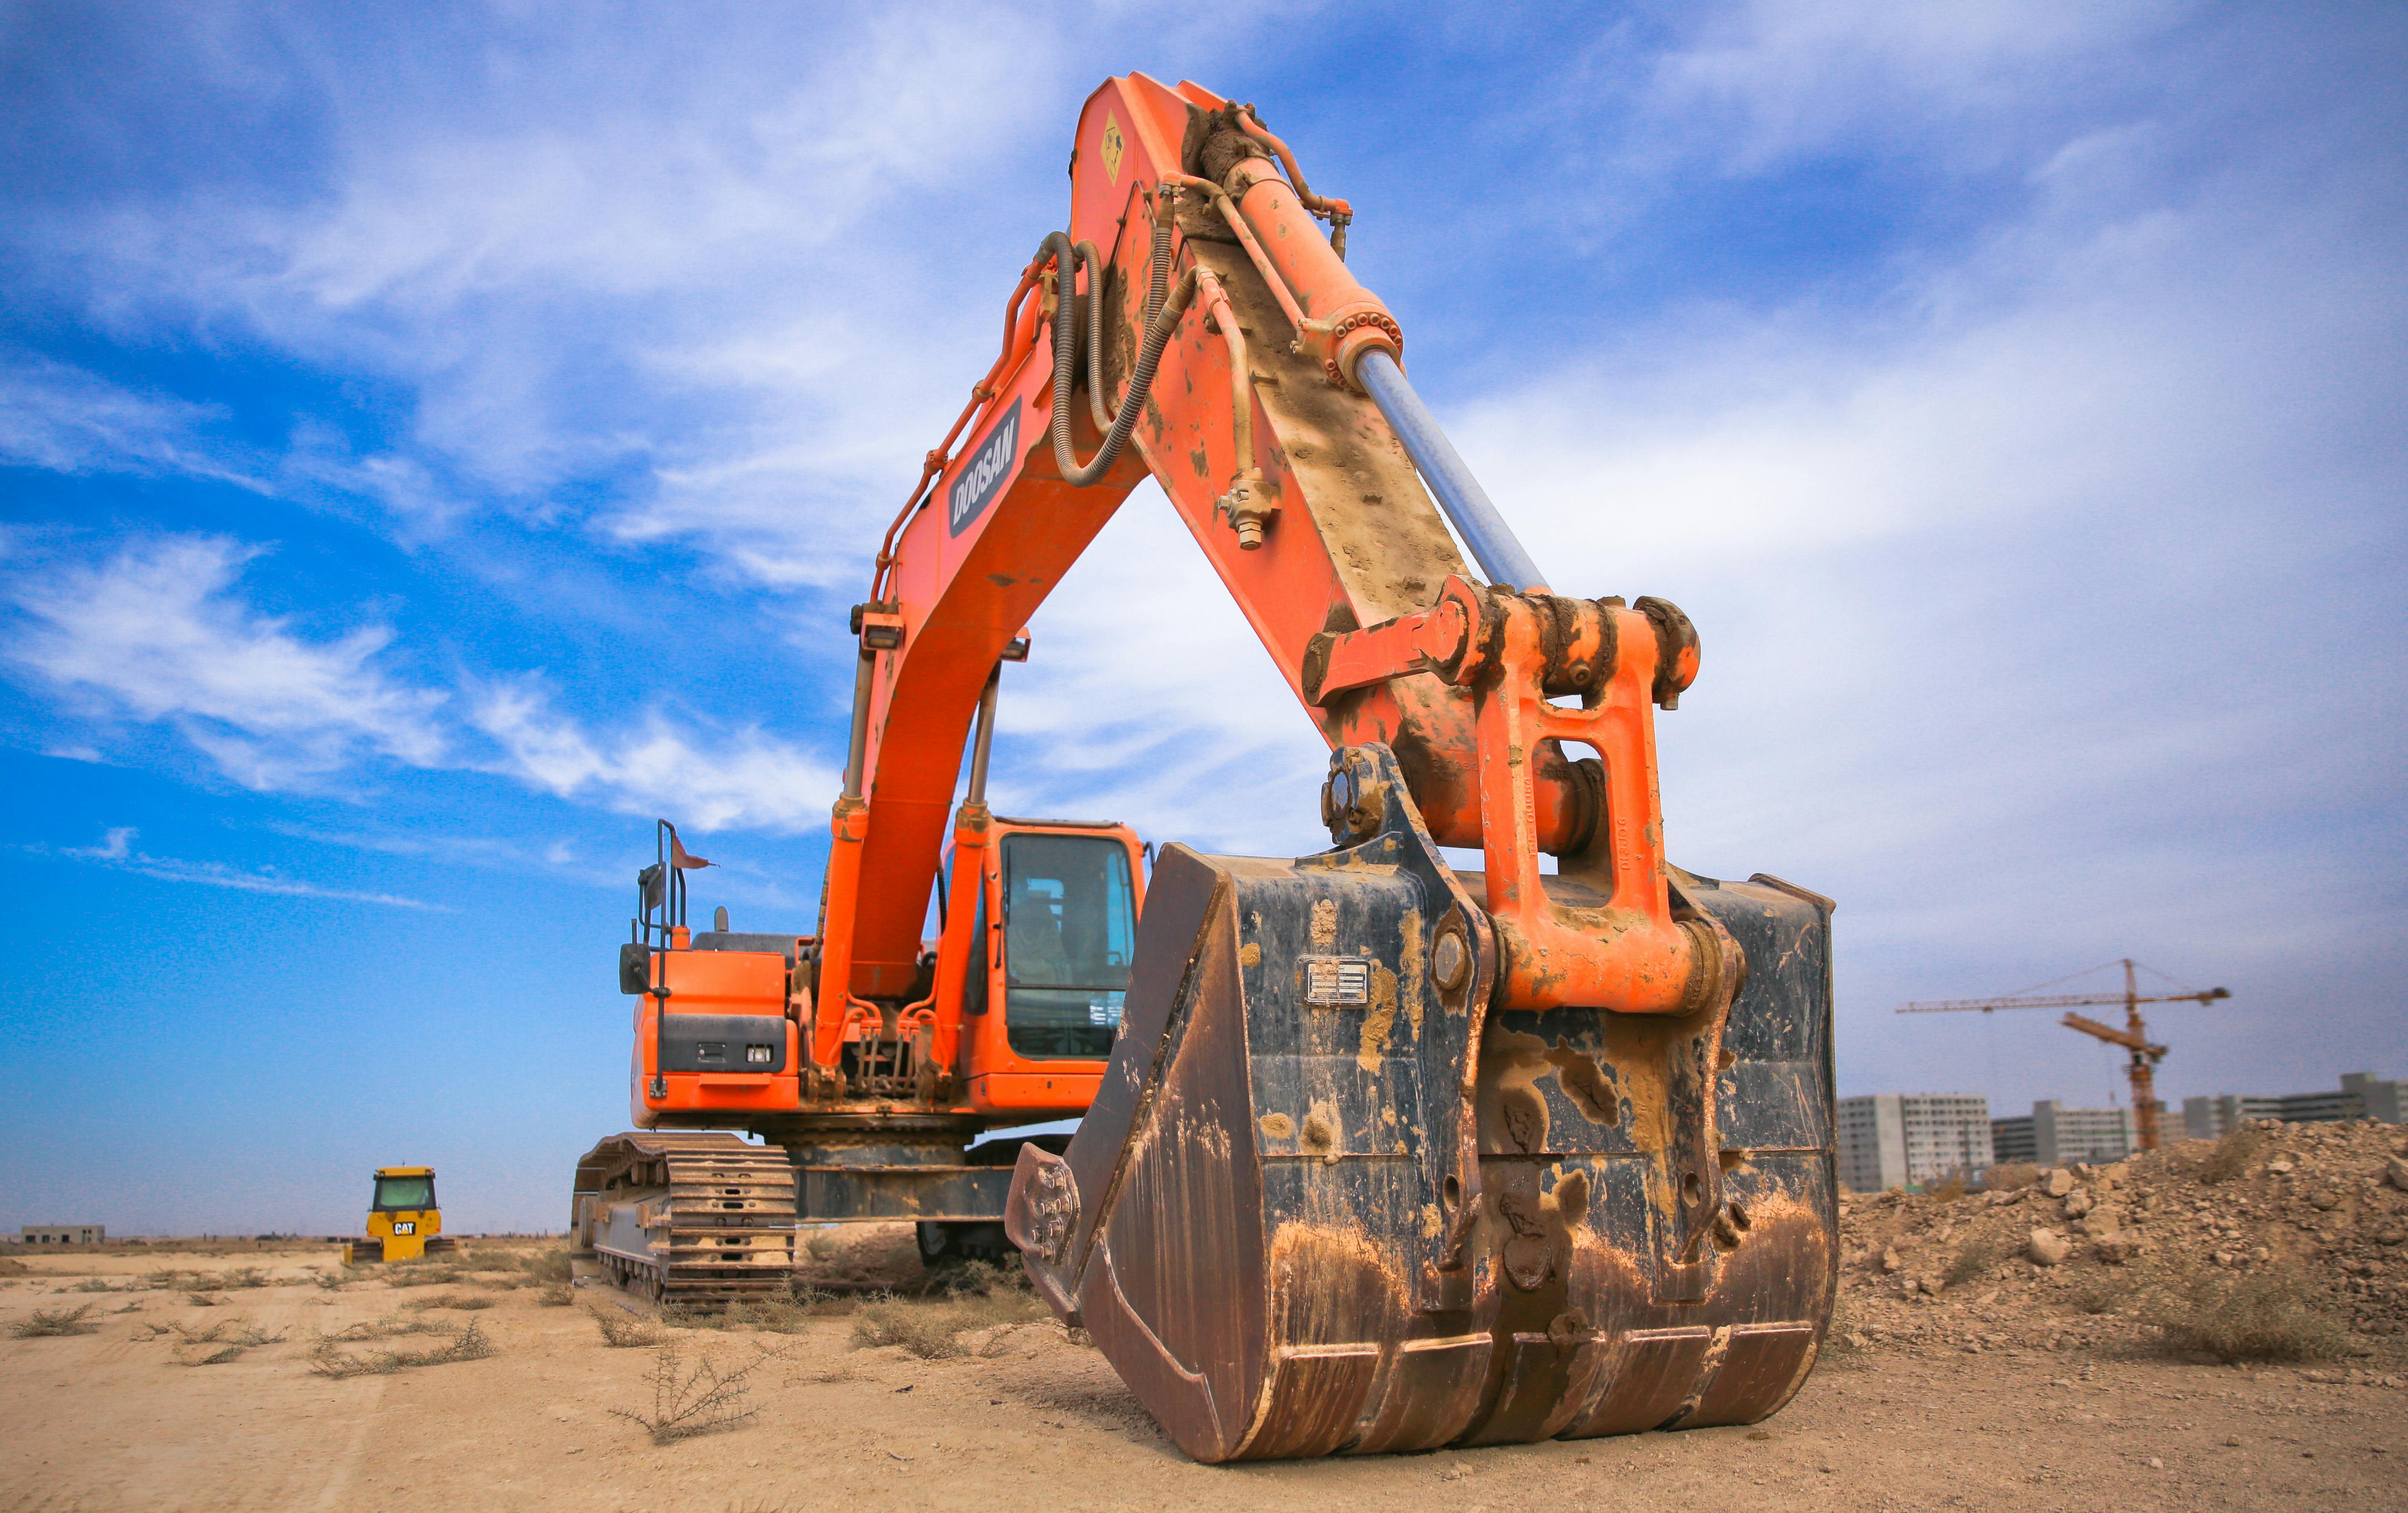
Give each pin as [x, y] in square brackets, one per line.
[1069, 927]
[405, 1193]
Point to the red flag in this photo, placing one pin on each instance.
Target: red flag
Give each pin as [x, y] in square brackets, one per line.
[679, 859]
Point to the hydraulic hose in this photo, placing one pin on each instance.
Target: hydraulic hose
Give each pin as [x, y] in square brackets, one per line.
[1068, 259]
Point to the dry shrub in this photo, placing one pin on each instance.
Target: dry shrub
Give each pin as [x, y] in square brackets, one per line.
[1947, 1188]
[2233, 1155]
[215, 1358]
[331, 1281]
[202, 1300]
[448, 1300]
[424, 1274]
[1977, 1259]
[776, 1315]
[245, 1277]
[2266, 1314]
[219, 1343]
[90, 1284]
[469, 1345]
[2010, 1177]
[2101, 1293]
[550, 1265]
[984, 1299]
[823, 1245]
[702, 1399]
[556, 1295]
[385, 1329]
[625, 1331]
[44, 1322]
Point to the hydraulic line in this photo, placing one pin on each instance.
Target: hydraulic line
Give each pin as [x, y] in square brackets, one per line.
[1466, 504]
[1067, 260]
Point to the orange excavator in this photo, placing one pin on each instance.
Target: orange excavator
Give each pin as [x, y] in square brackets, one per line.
[1377, 1153]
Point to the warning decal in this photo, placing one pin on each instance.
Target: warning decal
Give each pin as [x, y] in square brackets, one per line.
[1113, 145]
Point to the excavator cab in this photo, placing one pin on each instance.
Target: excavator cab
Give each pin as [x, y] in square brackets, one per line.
[1056, 934]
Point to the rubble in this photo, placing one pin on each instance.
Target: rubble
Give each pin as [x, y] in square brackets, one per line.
[2087, 1257]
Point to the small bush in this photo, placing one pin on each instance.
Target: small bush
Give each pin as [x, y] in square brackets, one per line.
[1977, 1259]
[245, 1277]
[935, 1331]
[2233, 1155]
[422, 1274]
[469, 1345]
[1947, 1188]
[2010, 1177]
[90, 1284]
[547, 1266]
[2262, 1315]
[556, 1295]
[625, 1331]
[701, 1401]
[385, 1329]
[776, 1315]
[44, 1322]
[449, 1301]
[2102, 1294]
[331, 1281]
[823, 1245]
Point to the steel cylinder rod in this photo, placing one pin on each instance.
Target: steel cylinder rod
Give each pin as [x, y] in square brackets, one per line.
[1459, 493]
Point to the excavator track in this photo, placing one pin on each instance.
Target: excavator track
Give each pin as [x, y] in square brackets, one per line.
[700, 1219]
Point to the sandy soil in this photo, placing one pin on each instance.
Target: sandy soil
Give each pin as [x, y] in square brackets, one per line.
[110, 1421]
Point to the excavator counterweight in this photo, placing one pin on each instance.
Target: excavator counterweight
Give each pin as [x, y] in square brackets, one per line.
[1377, 1153]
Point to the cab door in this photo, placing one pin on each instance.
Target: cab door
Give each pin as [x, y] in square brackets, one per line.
[1056, 935]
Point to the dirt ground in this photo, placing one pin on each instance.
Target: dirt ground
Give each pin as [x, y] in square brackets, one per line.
[1997, 1389]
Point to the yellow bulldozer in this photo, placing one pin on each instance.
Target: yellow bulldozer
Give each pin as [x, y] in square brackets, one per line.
[404, 1223]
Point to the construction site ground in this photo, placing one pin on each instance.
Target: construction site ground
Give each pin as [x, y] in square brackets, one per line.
[268, 1378]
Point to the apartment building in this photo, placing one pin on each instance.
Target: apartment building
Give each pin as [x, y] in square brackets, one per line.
[1890, 1140]
[2360, 1096]
[2054, 1135]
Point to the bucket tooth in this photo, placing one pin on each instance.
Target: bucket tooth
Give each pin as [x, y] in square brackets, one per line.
[1328, 1201]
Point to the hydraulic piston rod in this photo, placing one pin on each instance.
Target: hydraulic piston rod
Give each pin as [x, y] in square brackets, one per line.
[1459, 493]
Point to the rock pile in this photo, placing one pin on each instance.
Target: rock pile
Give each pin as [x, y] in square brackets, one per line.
[2062, 1258]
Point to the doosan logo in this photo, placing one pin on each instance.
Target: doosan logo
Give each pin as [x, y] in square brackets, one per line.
[979, 482]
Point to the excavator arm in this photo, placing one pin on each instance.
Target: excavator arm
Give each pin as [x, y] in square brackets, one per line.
[1386, 1155]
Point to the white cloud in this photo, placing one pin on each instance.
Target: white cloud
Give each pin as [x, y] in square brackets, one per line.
[748, 780]
[159, 632]
[66, 420]
[156, 633]
[117, 851]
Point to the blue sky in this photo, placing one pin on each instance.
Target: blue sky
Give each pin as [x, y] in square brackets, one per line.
[434, 440]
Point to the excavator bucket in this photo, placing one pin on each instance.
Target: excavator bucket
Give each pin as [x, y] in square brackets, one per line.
[1326, 1200]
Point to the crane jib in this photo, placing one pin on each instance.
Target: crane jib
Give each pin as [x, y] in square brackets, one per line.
[983, 478]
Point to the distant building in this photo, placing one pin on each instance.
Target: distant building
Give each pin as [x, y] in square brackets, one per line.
[1889, 1140]
[2362, 1096]
[2052, 1135]
[64, 1234]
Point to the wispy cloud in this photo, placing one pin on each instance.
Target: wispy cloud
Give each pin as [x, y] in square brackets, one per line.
[159, 632]
[155, 632]
[66, 420]
[117, 851]
[748, 780]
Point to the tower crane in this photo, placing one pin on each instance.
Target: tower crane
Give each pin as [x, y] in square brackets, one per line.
[2144, 1055]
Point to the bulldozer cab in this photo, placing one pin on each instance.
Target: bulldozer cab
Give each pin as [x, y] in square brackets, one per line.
[1056, 934]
